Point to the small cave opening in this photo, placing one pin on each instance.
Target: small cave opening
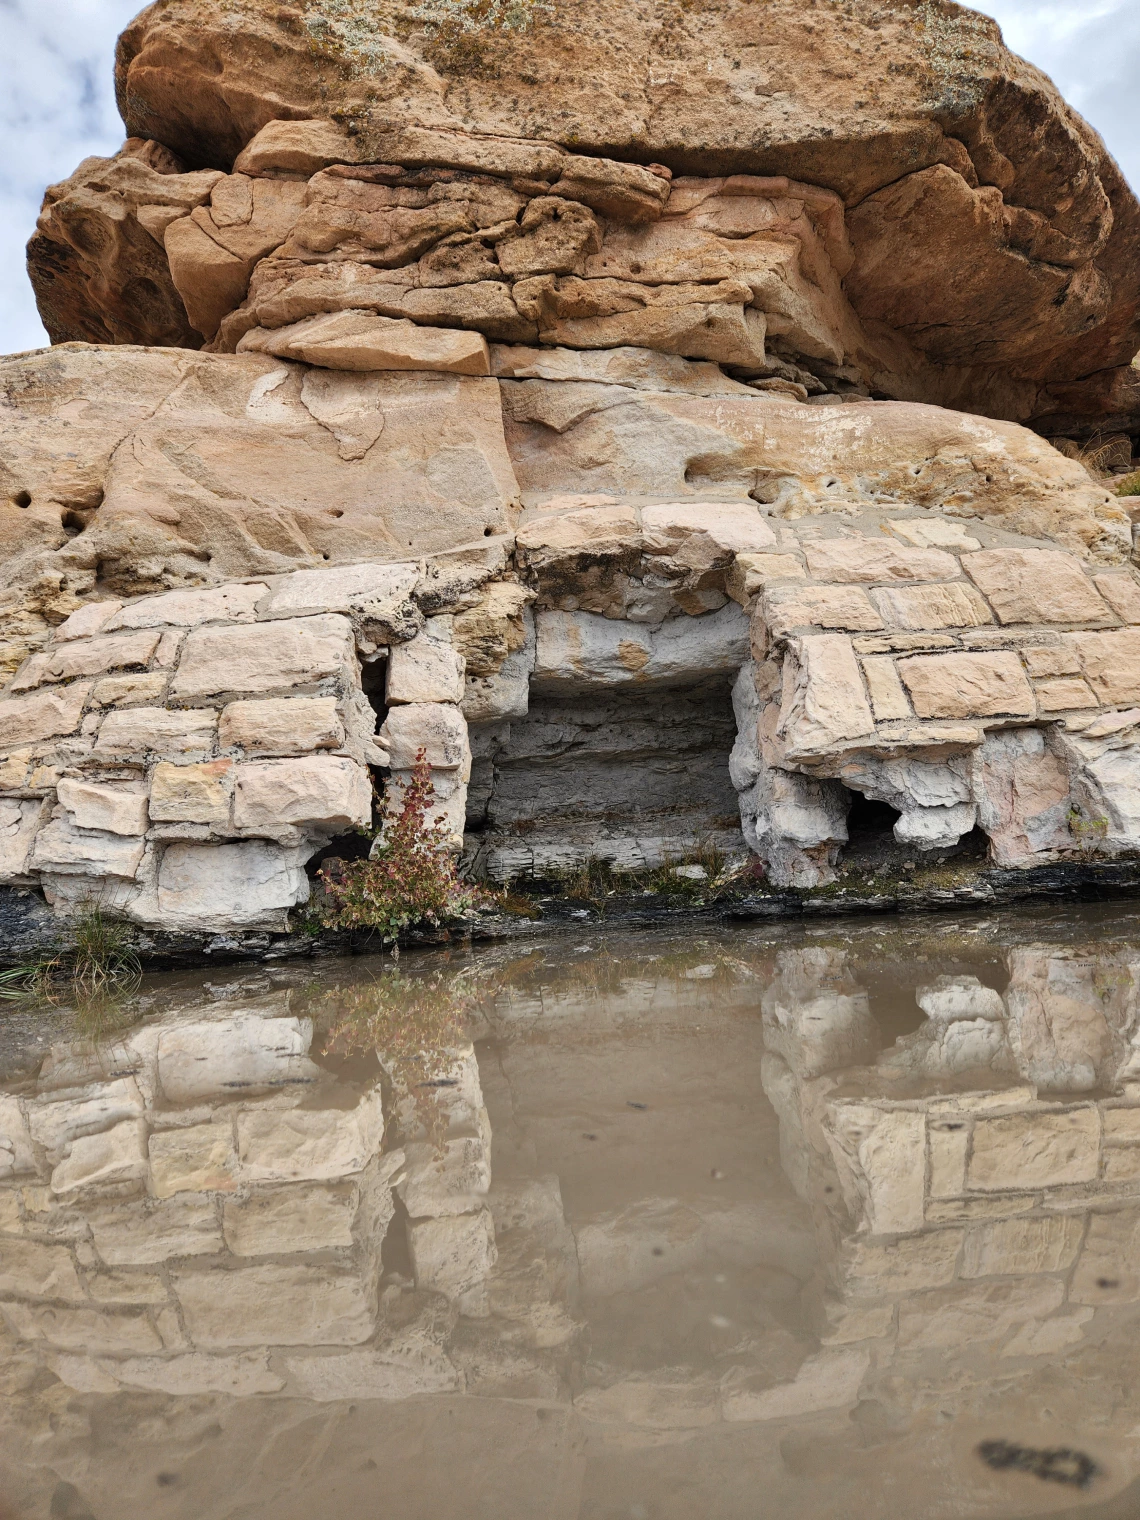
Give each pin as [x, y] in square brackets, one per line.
[871, 844]
[355, 845]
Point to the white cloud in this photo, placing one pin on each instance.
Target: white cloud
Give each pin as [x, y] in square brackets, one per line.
[57, 102]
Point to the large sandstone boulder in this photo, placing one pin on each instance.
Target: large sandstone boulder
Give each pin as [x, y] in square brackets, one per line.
[871, 199]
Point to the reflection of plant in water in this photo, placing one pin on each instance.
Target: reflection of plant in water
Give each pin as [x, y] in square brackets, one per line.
[413, 1023]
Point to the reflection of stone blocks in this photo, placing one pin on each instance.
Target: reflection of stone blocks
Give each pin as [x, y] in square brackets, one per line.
[453, 1256]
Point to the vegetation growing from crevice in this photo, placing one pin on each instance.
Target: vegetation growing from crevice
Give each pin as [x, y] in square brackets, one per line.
[98, 963]
[411, 878]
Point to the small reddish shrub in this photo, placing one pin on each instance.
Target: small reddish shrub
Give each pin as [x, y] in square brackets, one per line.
[412, 877]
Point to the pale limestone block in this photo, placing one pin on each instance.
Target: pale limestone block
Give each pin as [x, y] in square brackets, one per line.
[881, 1158]
[344, 588]
[1111, 664]
[583, 648]
[1059, 659]
[1122, 594]
[868, 559]
[56, 1123]
[229, 886]
[933, 533]
[16, 1152]
[949, 1141]
[427, 669]
[83, 1373]
[121, 691]
[823, 702]
[1122, 1165]
[959, 997]
[967, 685]
[966, 1210]
[844, 1324]
[1023, 796]
[1108, 1271]
[870, 1268]
[1063, 695]
[975, 1314]
[266, 656]
[1121, 1126]
[43, 714]
[19, 823]
[390, 1373]
[216, 1057]
[268, 1305]
[191, 793]
[32, 1270]
[169, 645]
[198, 1159]
[89, 619]
[139, 732]
[126, 1287]
[64, 850]
[786, 608]
[1035, 1150]
[888, 699]
[10, 1220]
[309, 1144]
[282, 725]
[94, 1331]
[219, 604]
[1049, 1337]
[435, 727]
[145, 1231]
[14, 767]
[328, 792]
[750, 573]
[454, 1256]
[86, 657]
[118, 809]
[953, 606]
[195, 1372]
[654, 1401]
[451, 1177]
[703, 536]
[830, 1379]
[1014, 1247]
[1035, 586]
[300, 1217]
[113, 1155]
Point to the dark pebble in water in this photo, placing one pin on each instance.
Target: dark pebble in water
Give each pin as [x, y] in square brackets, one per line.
[166, 1480]
[1055, 1464]
[659, 1250]
[589, 1137]
[631, 1104]
[1108, 1282]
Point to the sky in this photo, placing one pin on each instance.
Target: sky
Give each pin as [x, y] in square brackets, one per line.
[57, 104]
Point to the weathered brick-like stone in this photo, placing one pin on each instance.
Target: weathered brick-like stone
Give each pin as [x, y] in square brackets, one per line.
[1122, 1126]
[61, 849]
[122, 691]
[297, 1217]
[1122, 594]
[281, 725]
[874, 1268]
[954, 606]
[427, 669]
[436, 727]
[1064, 694]
[139, 732]
[89, 619]
[949, 1141]
[191, 793]
[453, 1256]
[1059, 659]
[96, 1331]
[287, 652]
[1035, 586]
[326, 791]
[750, 573]
[345, 588]
[869, 559]
[232, 604]
[888, 699]
[197, 1159]
[310, 1144]
[43, 715]
[1014, 1247]
[933, 533]
[789, 607]
[113, 1155]
[142, 1232]
[19, 822]
[1035, 1149]
[1108, 1271]
[86, 657]
[227, 885]
[32, 1270]
[967, 685]
[276, 1305]
[114, 809]
[1111, 663]
[823, 699]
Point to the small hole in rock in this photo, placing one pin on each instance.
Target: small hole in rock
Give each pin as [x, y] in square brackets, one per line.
[22, 499]
[488, 532]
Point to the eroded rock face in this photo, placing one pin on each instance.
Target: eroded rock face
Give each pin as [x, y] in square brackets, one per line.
[942, 229]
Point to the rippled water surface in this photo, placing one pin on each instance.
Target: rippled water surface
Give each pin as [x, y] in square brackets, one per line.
[833, 1222]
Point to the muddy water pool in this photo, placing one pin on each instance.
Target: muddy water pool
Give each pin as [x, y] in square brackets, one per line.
[795, 1221]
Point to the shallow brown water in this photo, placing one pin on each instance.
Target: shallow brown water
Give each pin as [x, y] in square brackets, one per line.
[800, 1222]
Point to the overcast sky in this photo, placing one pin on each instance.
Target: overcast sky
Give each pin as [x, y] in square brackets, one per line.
[57, 105]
